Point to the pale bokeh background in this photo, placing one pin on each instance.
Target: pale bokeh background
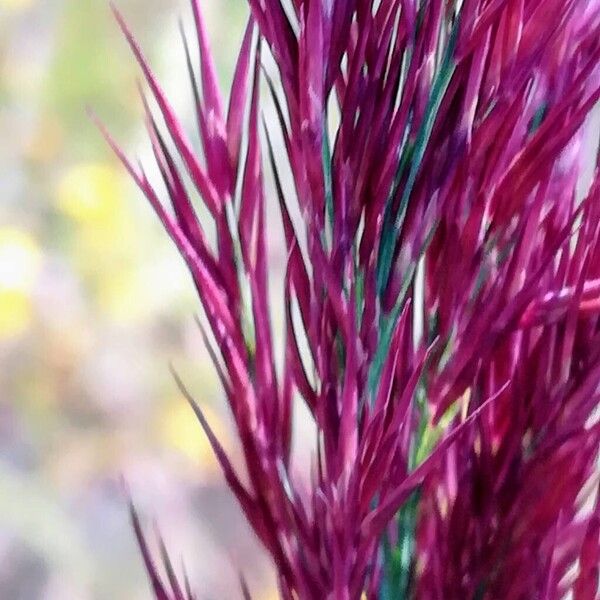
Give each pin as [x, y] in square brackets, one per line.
[94, 303]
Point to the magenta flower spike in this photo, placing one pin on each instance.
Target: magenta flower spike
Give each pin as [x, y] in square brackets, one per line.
[442, 291]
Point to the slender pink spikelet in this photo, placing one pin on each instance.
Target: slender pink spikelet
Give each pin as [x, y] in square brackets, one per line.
[441, 297]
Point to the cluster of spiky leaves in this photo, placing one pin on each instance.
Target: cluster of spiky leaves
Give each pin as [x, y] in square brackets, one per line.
[442, 293]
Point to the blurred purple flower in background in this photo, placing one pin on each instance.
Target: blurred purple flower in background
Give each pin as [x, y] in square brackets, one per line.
[441, 295]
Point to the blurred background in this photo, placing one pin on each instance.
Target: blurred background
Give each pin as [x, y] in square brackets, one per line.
[94, 303]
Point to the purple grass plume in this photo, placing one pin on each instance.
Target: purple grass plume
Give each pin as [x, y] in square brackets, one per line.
[442, 291]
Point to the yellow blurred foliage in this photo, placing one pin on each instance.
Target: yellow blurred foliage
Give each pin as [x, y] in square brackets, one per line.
[91, 193]
[120, 297]
[15, 313]
[20, 262]
[180, 429]
[93, 196]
